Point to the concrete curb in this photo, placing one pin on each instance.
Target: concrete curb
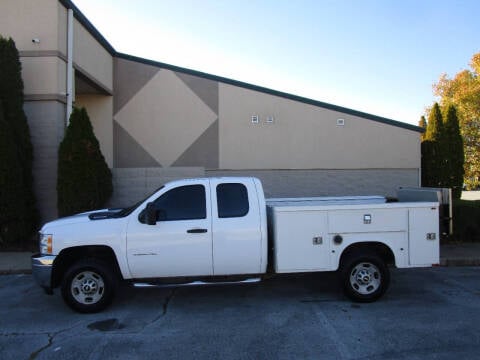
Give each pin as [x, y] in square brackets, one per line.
[12, 263]
[16, 272]
[459, 262]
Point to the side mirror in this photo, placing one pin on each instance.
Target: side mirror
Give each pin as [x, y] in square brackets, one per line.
[150, 214]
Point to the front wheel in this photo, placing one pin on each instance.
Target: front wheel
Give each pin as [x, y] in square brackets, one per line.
[365, 277]
[88, 286]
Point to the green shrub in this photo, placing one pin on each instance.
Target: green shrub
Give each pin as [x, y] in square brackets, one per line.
[466, 220]
[84, 180]
[18, 214]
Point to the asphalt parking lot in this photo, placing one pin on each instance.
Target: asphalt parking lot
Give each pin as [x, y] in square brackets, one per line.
[427, 314]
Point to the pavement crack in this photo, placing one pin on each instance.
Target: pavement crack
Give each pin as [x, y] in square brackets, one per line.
[51, 337]
[167, 301]
[34, 354]
[165, 307]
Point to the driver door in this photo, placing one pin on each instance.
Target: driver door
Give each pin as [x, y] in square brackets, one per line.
[180, 243]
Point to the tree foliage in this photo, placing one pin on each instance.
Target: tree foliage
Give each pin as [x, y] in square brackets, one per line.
[463, 91]
[454, 156]
[433, 150]
[423, 124]
[442, 151]
[435, 124]
[84, 180]
[18, 215]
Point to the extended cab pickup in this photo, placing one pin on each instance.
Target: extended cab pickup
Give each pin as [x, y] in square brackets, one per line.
[223, 229]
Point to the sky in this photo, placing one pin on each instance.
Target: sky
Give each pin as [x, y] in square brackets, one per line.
[377, 56]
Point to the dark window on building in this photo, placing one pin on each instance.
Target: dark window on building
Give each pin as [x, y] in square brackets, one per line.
[182, 203]
[232, 200]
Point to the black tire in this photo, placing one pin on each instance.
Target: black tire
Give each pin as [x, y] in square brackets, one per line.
[365, 276]
[89, 286]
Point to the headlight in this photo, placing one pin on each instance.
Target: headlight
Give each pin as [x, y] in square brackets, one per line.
[46, 243]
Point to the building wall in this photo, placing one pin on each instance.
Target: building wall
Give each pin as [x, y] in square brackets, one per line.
[44, 78]
[24, 20]
[100, 109]
[46, 134]
[131, 185]
[304, 136]
[91, 59]
[165, 118]
[44, 69]
[304, 183]
[160, 119]
[163, 122]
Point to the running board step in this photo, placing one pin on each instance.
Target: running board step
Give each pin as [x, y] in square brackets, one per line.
[197, 283]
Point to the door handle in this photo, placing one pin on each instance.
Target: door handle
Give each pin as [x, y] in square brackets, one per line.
[197, 231]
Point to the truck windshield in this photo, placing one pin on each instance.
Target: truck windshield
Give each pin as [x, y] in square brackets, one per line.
[128, 210]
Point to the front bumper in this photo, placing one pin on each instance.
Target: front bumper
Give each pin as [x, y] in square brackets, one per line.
[42, 266]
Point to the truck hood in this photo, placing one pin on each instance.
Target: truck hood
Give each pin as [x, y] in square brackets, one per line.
[81, 218]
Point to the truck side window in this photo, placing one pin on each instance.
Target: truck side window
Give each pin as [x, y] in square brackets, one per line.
[232, 200]
[182, 203]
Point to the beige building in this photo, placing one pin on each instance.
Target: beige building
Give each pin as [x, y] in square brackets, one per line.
[156, 122]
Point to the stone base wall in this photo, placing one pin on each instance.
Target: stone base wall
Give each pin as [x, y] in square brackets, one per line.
[298, 183]
[134, 184]
[131, 185]
[46, 120]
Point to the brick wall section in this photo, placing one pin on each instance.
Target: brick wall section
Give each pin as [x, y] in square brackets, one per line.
[46, 120]
[295, 183]
[133, 184]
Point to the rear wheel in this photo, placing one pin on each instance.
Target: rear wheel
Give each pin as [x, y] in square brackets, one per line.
[365, 277]
[88, 286]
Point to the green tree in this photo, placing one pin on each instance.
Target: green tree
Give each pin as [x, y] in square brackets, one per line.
[433, 150]
[423, 124]
[84, 180]
[454, 158]
[435, 124]
[463, 91]
[18, 214]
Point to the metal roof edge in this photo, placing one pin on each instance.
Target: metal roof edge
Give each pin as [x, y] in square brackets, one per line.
[99, 37]
[68, 4]
[272, 92]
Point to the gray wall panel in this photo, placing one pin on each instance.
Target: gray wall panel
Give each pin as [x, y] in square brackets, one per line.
[133, 184]
[286, 183]
[46, 120]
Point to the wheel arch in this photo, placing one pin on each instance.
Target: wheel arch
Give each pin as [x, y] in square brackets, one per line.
[381, 249]
[69, 256]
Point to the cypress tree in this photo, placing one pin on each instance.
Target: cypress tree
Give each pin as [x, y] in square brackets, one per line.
[435, 124]
[423, 124]
[84, 180]
[433, 172]
[18, 220]
[454, 153]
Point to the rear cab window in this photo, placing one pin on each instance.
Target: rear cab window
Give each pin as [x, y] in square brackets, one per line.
[232, 200]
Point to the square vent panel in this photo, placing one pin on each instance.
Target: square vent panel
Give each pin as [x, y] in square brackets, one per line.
[254, 119]
[340, 122]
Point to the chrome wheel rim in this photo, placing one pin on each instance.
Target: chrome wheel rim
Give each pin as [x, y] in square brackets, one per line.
[365, 278]
[87, 287]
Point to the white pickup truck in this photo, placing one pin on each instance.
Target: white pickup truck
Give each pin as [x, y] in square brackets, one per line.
[223, 229]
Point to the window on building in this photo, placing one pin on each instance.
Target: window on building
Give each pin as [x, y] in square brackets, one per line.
[232, 200]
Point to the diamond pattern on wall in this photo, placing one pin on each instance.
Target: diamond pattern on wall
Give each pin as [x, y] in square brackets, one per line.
[207, 90]
[203, 152]
[128, 79]
[129, 153]
[165, 117]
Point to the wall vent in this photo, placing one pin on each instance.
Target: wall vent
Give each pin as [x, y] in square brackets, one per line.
[254, 119]
[340, 122]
